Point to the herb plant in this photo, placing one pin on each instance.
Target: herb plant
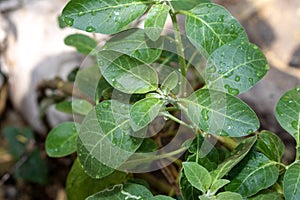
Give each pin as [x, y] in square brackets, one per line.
[168, 103]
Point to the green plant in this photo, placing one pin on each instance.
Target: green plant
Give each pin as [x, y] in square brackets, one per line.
[208, 143]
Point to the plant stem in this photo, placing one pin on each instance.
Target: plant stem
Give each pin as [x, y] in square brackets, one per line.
[176, 119]
[180, 49]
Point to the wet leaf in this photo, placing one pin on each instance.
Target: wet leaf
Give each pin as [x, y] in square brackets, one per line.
[126, 73]
[155, 20]
[144, 111]
[235, 67]
[236, 156]
[197, 175]
[136, 44]
[288, 112]
[106, 137]
[219, 113]
[291, 182]
[256, 172]
[102, 16]
[61, 141]
[210, 26]
[271, 145]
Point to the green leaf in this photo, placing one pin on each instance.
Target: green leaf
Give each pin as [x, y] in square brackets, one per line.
[83, 43]
[61, 141]
[79, 185]
[210, 26]
[136, 44]
[186, 189]
[81, 106]
[148, 145]
[219, 113]
[235, 67]
[92, 166]
[170, 82]
[64, 106]
[126, 73]
[128, 191]
[186, 4]
[33, 169]
[271, 145]
[106, 137]
[291, 182]
[254, 173]
[144, 111]
[155, 20]
[197, 175]
[102, 16]
[229, 195]
[218, 184]
[17, 140]
[288, 112]
[266, 195]
[161, 197]
[236, 156]
[87, 81]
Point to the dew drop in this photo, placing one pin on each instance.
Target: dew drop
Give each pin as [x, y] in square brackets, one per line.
[209, 5]
[97, 176]
[255, 47]
[226, 86]
[249, 58]
[251, 81]
[232, 26]
[90, 29]
[233, 91]
[249, 131]
[204, 114]
[298, 89]
[221, 18]
[212, 69]
[105, 104]
[259, 74]
[237, 78]
[295, 125]
[56, 150]
[93, 12]
[81, 13]
[69, 21]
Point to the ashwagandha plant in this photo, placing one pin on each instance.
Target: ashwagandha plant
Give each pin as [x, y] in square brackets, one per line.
[165, 100]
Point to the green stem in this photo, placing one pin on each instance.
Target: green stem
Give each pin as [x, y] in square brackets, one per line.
[180, 49]
[176, 119]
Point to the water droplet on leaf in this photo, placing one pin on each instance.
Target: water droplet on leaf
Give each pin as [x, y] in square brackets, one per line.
[249, 131]
[90, 29]
[93, 12]
[69, 21]
[233, 91]
[212, 69]
[251, 81]
[105, 104]
[295, 125]
[209, 5]
[237, 78]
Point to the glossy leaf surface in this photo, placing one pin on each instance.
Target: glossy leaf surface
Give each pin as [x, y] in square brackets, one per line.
[102, 16]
